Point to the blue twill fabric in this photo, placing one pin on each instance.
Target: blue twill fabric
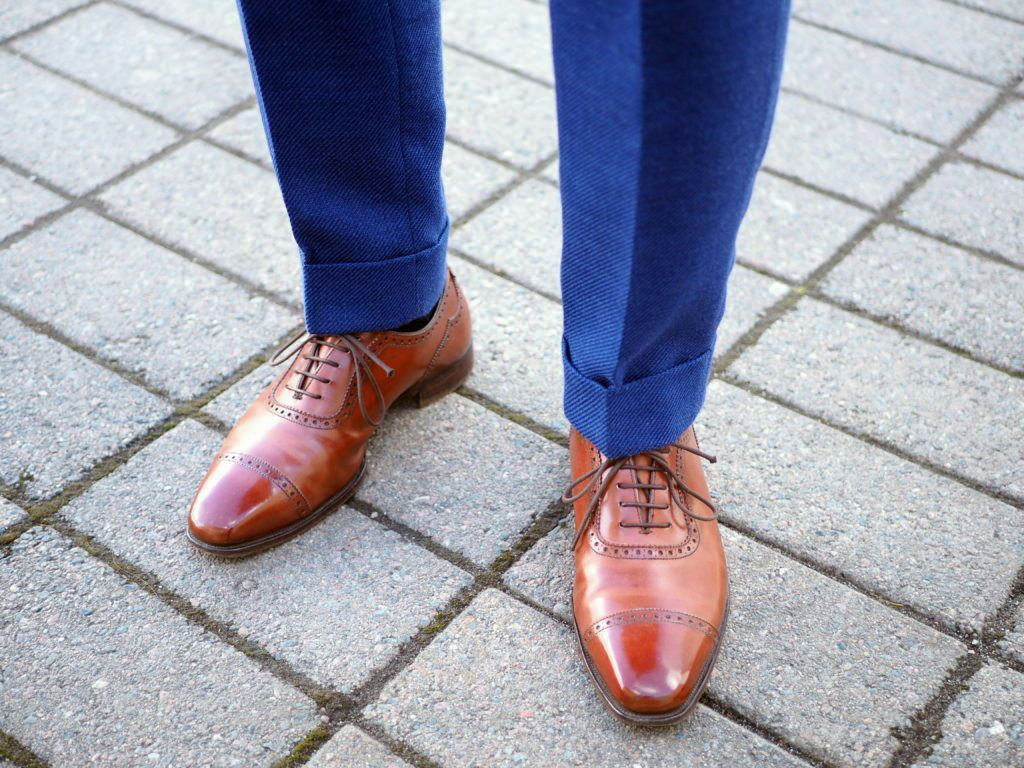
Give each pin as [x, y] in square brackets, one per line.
[664, 111]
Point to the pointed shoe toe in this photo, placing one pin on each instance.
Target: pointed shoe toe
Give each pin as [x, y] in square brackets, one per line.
[236, 506]
[650, 672]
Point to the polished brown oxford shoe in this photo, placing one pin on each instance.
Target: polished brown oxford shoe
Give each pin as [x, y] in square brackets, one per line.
[652, 592]
[299, 451]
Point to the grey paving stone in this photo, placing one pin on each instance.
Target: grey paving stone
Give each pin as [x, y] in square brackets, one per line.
[545, 572]
[985, 726]
[944, 33]
[520, 235]
[974, 206]
[1001, 140]
[902, 531]
[97, 672]
[749, 296]
[499, 113]
[796, 639]
[791, 230]
[517, 342]
[502, 686]
[180, 326]
[456, 443]
[55, 429]
[17, 17]
[351, 748]
[935, 405]
[233, 402]
[216, 18]
[334, 603]
[149, 64]
[937, 290]
[10, 514]
[22, 202]
[469, 179]
[66, 134]
[882, 85]
[244, 133]
[840, 153]
[516, 33]
[218, 206]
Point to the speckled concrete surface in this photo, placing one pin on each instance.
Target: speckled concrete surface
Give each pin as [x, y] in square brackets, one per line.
[923, 400]
[937, 290]
[985, 727]
[97, 672]
[351, 748]
[44, 450]
[179, 326]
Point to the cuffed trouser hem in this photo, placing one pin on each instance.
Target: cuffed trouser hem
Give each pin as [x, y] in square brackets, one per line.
[374, 295]
[642, 415]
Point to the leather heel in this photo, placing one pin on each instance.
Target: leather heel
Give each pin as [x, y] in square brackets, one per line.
[436, 385]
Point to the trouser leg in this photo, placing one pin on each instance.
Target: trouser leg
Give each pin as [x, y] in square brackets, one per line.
[664, 110]
[352, 102]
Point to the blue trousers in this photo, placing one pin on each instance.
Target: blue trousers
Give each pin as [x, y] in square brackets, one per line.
[664, 110]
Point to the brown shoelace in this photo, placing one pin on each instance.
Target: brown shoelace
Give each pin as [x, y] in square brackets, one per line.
[659, 465]
[315, 362]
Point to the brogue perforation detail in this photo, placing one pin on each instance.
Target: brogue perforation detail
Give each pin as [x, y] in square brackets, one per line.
[640, 552]
[273, 474]
[651, 616]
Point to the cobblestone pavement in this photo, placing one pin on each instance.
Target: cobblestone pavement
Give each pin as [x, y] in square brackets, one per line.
[867, 406]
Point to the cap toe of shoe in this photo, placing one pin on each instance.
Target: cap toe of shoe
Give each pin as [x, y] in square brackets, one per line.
[235, 505]
[651, 668]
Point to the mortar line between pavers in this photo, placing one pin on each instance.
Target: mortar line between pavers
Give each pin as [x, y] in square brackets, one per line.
[864, 116]
[218, 144]
[32, 29]
[522, 177]
[485, 266]
[109, 463]
[893, 219]
[825, 191]
[895, 51]
[925, 728]
[75, 201]
[184, 29]
[983, 11]
[324, 696]
[986, 165]
[485, 59]
[888, 211]
[18, 753]
[84, 84]
[44, 328]
[486, 154]
[905, 330]
[99, 208]
[895, 450]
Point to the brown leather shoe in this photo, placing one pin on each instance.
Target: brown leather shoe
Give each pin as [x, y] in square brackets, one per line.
[299, 450]
[652, 590]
